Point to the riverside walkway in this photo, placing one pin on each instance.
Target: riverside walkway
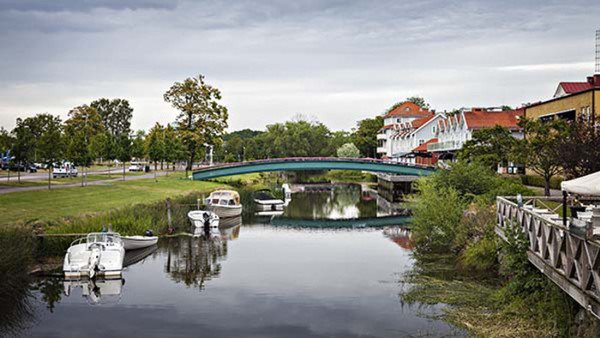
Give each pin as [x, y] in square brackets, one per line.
[312, 163]
[567, 255]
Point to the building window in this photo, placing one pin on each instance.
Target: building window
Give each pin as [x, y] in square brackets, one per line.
[421, 142]
[433, 129]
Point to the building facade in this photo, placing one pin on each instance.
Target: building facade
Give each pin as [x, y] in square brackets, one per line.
[454, 131]
[401, 114]
[572, 100]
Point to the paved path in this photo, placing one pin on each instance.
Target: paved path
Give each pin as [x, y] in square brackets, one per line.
[7, 190]
[553, 192]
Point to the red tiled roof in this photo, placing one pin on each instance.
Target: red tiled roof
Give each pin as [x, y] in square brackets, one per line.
[387, 126]
[423, 147]
[487, 119]
[408, 109]
[421, 121]
[574, 87]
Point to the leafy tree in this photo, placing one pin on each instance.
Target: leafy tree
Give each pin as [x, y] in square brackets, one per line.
[123, 147]
[24, 141]
[419, 101]
[155, 145]
[202, 119]
[578, 149]
[365, 136]
[339, 138]
[49, 145]
[83, 125]
[172, 147]
[348, 150]
[138, 148]
[116, 115]
[100, 146]
[540, 148]
[490, 146]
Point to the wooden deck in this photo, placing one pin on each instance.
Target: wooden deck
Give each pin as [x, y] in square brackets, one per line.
[565, 255]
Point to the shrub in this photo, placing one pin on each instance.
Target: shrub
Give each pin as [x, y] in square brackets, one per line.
[538, 181]
[437, 211]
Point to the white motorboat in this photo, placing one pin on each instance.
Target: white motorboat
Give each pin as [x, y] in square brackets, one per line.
[265, 201]
[203, 218]
[97, 253]
[138, 242]
[225, 203]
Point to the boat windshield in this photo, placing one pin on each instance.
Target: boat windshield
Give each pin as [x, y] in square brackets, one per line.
[105, 237]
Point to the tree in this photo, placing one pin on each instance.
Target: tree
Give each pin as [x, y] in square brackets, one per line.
[202, 119]
[155, 144]
[24, 141]
[339, 138]
[578, 149]
[138, 148]
[365, 136]
[100, 146]
[419, 101]
[540, 148]
[123, 146]
[348, 150]
[49, 145]
[83, 125]
[171, 146]
[116, 115]
[490, 146]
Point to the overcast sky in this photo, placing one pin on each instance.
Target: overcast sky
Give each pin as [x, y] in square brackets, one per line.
[338, 61]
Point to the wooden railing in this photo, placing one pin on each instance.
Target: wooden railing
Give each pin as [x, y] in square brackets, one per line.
[563, 254]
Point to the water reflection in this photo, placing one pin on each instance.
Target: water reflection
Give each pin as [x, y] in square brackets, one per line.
[96, 291]
[194, 260]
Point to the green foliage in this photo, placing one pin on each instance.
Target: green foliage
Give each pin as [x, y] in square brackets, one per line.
[419, 101]
[138, 148]
[540, 149]
[115, 114]
[348, 150]
[202, 119]
[155, 143]
[365, 136]
[490, 146]
[437, 212]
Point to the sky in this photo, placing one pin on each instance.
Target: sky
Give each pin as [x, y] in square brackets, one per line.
[334, 61]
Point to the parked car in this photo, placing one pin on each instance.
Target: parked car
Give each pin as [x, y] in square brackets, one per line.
[136, 166]
[66, 169]
[23, 167]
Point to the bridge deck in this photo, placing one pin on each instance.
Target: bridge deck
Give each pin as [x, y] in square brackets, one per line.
[565, 255]
[311, 163]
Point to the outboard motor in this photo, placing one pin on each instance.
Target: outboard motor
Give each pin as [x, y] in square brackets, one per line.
[206, 217]
[149, 233]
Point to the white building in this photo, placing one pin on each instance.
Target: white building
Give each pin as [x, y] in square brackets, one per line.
[403, 113]
[409, 140]
[454, 131]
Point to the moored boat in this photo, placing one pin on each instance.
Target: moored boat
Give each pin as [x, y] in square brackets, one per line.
[224, 203]
[203, 218]
[97, 253]
[265, 201]
[138, 242]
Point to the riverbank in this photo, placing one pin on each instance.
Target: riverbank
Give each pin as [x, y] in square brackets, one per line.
[491, 287]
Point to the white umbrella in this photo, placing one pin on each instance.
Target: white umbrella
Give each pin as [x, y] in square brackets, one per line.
[588, 185]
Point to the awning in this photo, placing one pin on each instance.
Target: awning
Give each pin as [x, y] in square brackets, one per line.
[588, 185]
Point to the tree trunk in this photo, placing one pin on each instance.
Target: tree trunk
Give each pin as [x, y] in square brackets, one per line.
[19, 173]
[155, 166]
[8, 177]
[161, 165]
[49, 177]
[123, 171]
[82, 175]
[547, 186]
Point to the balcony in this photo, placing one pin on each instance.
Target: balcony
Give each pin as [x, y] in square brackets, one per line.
[382, 137]
[444, 146]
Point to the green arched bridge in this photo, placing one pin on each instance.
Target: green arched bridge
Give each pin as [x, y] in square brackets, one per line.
[311, 163]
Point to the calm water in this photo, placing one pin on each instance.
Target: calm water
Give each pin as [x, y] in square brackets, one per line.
[254, 280]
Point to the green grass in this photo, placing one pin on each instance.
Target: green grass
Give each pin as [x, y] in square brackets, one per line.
[45, 206]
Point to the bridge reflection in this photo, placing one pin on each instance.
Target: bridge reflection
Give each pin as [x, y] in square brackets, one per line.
[339, 223]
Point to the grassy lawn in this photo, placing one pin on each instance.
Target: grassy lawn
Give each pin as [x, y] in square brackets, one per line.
[27, 206]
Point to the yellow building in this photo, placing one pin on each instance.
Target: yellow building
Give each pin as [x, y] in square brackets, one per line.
[571, 100]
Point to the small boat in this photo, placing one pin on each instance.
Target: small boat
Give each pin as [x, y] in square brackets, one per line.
[203, 218]
[138, 242]
[225, 203]
[97, 253]
[265, 200]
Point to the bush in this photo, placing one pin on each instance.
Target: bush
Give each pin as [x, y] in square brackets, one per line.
[437, 211]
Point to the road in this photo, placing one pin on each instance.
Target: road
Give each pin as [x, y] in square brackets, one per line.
[44, 175]
[7, 190]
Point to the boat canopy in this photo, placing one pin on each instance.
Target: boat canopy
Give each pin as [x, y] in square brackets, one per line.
[588, 185]
[225, 195]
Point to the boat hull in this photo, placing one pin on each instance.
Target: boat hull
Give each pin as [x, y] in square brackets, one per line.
[138, 242]
[226, 211]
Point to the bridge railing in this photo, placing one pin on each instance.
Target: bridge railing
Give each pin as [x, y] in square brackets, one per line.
[305, 159]
[564, 254]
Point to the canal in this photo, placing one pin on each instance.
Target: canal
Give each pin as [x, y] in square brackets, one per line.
[259, 277]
